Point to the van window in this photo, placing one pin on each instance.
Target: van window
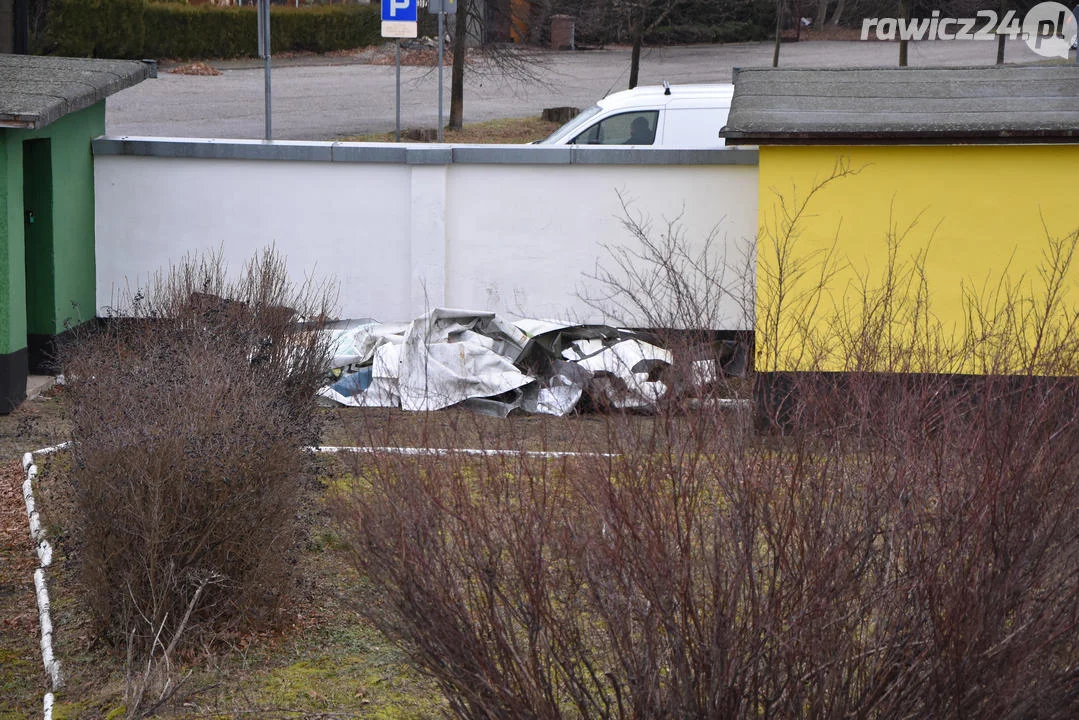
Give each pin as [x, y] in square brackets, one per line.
[628, 128]
[572, 126]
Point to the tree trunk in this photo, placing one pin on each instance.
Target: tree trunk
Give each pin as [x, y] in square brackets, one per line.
[905, 8]
[635, 58]
[822, 14]
[639, 31]
[1001, 37]
[779, 32]
[837, 15]
[457, 75]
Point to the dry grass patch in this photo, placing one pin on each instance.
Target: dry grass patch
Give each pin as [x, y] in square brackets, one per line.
[511, 131]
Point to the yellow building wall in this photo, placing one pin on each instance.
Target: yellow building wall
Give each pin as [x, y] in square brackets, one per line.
[918, 258]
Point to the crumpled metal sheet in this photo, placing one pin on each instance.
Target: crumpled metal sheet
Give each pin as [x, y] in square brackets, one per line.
[453, 355]
[494, 367]
[626, 372]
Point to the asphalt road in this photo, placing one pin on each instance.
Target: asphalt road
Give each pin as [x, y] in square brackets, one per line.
[325, 98]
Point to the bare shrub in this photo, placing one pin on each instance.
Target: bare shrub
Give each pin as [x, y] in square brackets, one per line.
[927, 571]
[661, 280]
[907, 549]
[694, 299]
[190, 410]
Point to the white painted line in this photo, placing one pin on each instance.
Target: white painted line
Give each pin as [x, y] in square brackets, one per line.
[482, 452]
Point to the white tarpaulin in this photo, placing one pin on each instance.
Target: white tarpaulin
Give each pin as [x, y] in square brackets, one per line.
[453, 355]
[624, 371]
[492, 366]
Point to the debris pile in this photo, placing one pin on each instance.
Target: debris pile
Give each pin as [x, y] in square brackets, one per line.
[195, 68]
[493, 366]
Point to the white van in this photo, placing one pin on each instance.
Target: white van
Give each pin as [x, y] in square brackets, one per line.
[670, 116]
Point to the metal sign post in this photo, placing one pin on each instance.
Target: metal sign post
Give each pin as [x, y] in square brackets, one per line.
[443, 8]
[264, 52]
[398, 21]
[397, 105]
[441, 42]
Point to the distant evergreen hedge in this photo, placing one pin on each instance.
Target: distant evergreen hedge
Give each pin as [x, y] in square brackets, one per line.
[728, 32]
[142, 29]
[174, 29]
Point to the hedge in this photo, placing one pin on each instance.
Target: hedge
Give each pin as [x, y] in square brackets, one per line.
[761, 13]
[139, 29]
[95, 28]
[728, 32]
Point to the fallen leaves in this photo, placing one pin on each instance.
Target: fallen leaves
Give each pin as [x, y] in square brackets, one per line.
[195, 68]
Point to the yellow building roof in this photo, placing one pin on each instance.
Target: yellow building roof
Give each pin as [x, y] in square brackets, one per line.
[993, 104]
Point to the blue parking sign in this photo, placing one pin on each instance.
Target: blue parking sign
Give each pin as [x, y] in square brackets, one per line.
[399, 10]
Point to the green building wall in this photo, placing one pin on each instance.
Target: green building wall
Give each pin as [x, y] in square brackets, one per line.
[13, 336]
[48, 285]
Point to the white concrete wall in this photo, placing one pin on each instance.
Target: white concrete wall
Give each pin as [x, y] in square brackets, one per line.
[534, 246]
[430, 226]
[324, 218]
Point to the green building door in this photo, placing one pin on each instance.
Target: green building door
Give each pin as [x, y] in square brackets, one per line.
[40, 257]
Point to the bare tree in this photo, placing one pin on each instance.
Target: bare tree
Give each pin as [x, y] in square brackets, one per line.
[822, 14]
[625, 20]
[906, 10]
[645, 16]
[457, 76]
[780, 8]
[837, 14]
[492, 57]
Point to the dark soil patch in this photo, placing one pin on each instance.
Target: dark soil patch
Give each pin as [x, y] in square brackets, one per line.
[22, 677]
[35, 424]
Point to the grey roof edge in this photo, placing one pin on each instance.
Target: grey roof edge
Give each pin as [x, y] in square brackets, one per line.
[415, 154]
[115, 75]
[615, 155]
[36, 121]
[901, 137]
[894, 106]
[908, 70]
[18, 121]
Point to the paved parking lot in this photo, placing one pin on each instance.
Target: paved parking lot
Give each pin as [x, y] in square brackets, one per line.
[327, 98]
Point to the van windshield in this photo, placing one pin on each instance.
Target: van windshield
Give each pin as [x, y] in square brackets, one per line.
[570, 128]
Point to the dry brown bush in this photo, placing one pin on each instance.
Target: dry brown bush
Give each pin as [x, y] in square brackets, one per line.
[928, 571]
[189, 412]
[907, 549]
